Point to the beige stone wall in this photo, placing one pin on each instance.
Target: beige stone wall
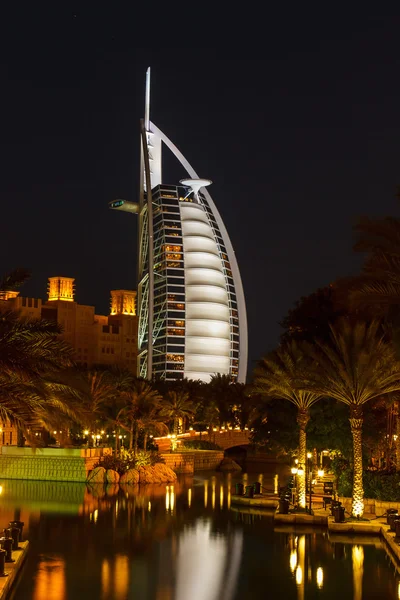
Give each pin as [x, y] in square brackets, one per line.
[189, 462]
[374, 507]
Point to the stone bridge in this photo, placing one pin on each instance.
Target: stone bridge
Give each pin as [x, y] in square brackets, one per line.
[225, 438]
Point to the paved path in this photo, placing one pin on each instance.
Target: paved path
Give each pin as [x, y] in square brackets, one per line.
[13, 570]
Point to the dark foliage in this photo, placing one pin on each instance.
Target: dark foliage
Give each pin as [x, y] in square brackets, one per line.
[200, 445]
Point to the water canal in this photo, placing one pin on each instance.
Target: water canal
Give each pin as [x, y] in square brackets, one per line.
[181, 542]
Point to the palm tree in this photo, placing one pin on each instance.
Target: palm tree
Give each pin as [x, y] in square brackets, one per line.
[277, 376]
[220, 393]
[31, 357]
[177, 405]
[13, 280]
[358, 365]
[139, 401]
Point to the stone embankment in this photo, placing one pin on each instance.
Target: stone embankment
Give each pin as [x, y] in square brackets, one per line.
[159, 473]
[76, 464]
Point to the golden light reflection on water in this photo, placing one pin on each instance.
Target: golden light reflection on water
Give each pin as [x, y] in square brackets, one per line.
[205, 494]
[121, 576]
[190, 497]
[213, 483]
[221, 496]
[115, 577]
[105, 579]
[49, 583]
[320, 577]
[357, 554]
[293, 560]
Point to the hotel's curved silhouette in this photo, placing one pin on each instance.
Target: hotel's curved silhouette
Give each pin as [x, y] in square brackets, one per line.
[191, 297]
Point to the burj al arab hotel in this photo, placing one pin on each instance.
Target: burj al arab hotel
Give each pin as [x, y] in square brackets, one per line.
[191, 306]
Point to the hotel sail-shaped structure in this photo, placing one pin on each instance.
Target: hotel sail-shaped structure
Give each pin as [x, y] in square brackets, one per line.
[190, 294]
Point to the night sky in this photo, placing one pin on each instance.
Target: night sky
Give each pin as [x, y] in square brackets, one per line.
[300, 136]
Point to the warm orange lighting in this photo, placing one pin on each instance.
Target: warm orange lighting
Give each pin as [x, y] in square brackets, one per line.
[320, 577]
[49, 582]
[61, 288]
[123, 302]
[293, 560]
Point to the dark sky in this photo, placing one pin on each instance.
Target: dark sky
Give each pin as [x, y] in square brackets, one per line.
[299, 135]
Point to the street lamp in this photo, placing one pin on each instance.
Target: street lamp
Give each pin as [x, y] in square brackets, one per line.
[309, 467]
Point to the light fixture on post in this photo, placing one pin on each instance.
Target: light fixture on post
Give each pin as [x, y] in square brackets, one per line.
[309, 469]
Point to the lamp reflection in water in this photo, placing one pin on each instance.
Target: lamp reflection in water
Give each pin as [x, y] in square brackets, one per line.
[276, 484]
[320, 577]
[358, 571]
[301, 551]
[208, 565]
[169, 498]
[221, 496]
[189, 497]
[115, 577]
[49, 582]
[213, 484]
[205, 494]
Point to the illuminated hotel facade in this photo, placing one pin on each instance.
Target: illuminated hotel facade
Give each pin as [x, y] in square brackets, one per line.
[190, 294]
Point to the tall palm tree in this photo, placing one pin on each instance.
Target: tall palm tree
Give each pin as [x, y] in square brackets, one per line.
[356, 366]
[177, 405]
[278, 375]
[220, 393]
[139, 401]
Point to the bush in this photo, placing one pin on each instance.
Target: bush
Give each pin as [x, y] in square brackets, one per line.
[126, 460]
[116, 463]
[145, 458]
[382, 486]
[378, 485]
[199, 445]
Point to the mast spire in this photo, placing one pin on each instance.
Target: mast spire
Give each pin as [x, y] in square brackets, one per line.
[147, 101]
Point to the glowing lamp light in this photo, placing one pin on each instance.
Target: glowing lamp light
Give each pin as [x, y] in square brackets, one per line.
[300, 471]
[86, 432]
[296, 461]
[55, 432]
[299, 575]
[294, 470]
[309, 455]
[321, 472]
[320, 577]
[293, 560]
[97, 436]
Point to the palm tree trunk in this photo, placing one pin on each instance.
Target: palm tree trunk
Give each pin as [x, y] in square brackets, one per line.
[116, 442]
[131, 436]
[356, 423]
[145, 441]
[302, 420]
[397, 442]
[135, 447]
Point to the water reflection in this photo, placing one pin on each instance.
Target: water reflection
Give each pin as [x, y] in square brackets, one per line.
[208, 564]
[358, 570]
[50, 579]
[181, 541]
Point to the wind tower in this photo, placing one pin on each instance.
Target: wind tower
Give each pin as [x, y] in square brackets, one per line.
[191, 306]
